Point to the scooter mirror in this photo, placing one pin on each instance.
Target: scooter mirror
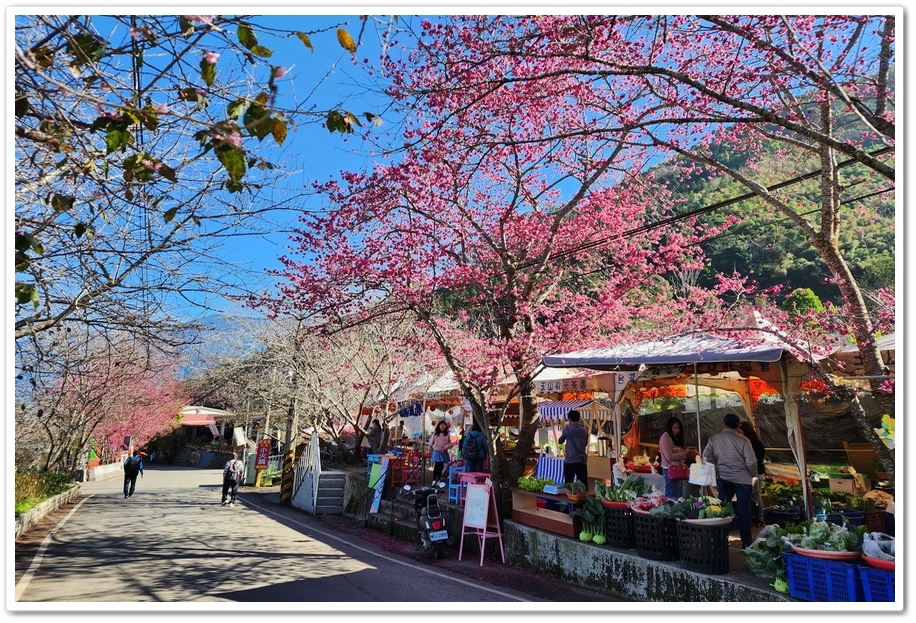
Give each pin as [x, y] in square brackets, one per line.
[441, 484]
[407, 487]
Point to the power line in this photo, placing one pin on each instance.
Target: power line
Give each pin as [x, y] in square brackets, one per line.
[710, 208]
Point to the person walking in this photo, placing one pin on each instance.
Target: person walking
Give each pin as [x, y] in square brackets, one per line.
[132, 467]
[474, 449]
[574, 440]
[440, 442]
[232, 478]
[736, 467]
[672, 451]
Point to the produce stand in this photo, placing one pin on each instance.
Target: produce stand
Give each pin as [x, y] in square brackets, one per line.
[525, 510]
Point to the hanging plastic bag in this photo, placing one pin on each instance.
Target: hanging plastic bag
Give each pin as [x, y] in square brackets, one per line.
[703, 474]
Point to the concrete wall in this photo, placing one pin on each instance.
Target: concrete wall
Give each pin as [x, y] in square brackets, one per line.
[35, 514]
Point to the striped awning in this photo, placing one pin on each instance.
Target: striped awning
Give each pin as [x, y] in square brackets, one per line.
[556, 410]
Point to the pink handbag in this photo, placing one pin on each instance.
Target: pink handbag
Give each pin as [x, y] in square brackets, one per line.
[678, 472]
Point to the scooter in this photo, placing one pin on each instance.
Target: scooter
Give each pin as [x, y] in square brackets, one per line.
[430, 519]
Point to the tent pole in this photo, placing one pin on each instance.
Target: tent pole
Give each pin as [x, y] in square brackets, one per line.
[696, 391]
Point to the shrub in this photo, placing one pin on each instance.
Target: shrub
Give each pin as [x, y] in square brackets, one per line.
[33, 487]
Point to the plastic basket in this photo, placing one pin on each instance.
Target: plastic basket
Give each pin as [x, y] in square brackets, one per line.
[874, 521]
[619, 531]
[703, 549]
[817, 579]
[877, 584]
[834, 518]
[783, 518]
[655, 538]
[854, 518]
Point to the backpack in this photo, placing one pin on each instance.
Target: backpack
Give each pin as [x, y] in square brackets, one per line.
[235, 470]
[132, 466]
[471, 450]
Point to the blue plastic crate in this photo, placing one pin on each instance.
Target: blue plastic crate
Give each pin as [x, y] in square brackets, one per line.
[877, 584]
[817, 579]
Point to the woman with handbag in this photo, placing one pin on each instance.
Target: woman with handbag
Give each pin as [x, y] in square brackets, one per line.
[674, 454]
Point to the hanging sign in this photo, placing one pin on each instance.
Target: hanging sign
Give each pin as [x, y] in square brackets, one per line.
[262, 456]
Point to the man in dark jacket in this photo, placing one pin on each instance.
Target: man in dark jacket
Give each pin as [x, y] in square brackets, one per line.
[132, 466]
[574, 440]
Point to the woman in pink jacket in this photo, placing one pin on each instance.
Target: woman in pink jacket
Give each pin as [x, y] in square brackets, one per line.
[439, 444]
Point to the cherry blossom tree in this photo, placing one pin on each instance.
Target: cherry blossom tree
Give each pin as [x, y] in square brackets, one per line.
[501, 245]
[98, 394]
[815, 92]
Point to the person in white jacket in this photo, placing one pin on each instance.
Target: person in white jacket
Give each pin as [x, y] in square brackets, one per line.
[736, 467]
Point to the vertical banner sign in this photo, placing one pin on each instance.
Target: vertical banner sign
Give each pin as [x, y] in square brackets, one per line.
[377, 480]
[262, 457]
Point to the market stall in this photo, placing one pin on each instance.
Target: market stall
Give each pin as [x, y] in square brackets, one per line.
[704, 359]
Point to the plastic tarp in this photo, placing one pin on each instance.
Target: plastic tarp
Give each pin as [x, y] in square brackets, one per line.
[677, 350]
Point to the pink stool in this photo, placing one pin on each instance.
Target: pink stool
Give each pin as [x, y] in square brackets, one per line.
[470, 478]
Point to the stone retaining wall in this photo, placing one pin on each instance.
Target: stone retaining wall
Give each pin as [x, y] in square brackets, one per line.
[38, 512]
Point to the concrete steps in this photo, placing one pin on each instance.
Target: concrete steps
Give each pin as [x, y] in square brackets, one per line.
[330, 500]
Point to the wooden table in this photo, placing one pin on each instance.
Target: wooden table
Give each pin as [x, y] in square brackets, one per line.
[525, 511]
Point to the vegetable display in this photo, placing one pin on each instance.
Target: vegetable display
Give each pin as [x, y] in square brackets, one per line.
[594, 522]
[529, 483]
[629, 489]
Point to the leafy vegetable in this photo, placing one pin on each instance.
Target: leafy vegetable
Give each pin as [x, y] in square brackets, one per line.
[632, 487]
[594, 521]
[529, 483]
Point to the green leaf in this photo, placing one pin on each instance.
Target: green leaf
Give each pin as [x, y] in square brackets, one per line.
[261, 51]
[168, 173]
[61, 203]
[336, 123]
[86, 48]
[234, 162]
[304, 38]
[170, 214]
[247, 37]
[117, 139]
[235, 109]
[26, 293]
[208, 72]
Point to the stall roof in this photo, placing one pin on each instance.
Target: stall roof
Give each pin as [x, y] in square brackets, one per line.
[557, 409]
[697, 347]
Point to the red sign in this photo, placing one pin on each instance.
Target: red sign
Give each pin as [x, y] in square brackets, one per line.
[262, 458]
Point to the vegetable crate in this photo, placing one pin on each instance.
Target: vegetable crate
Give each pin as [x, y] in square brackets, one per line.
[655, 538]
[874, 521]
[783, 518]
[877, 584]
[703, 549]
[620, 530]
[818, 579]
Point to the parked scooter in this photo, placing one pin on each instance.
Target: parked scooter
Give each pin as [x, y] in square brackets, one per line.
[430, 519]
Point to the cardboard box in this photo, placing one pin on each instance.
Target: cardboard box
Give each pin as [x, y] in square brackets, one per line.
[842, 485]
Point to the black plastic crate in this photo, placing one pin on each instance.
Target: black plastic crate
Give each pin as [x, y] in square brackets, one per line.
[703, 549]
[655, 538]
[620, 530]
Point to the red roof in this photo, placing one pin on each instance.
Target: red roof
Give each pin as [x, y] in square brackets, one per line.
[197, 419]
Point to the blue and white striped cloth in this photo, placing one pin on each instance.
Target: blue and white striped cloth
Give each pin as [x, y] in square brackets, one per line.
[550, 467]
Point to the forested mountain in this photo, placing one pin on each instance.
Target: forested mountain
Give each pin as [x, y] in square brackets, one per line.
[771, 248]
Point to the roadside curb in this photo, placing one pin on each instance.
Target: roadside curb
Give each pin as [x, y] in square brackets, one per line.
[38, 512]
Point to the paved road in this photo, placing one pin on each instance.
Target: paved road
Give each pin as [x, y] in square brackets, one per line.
[173, 542]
